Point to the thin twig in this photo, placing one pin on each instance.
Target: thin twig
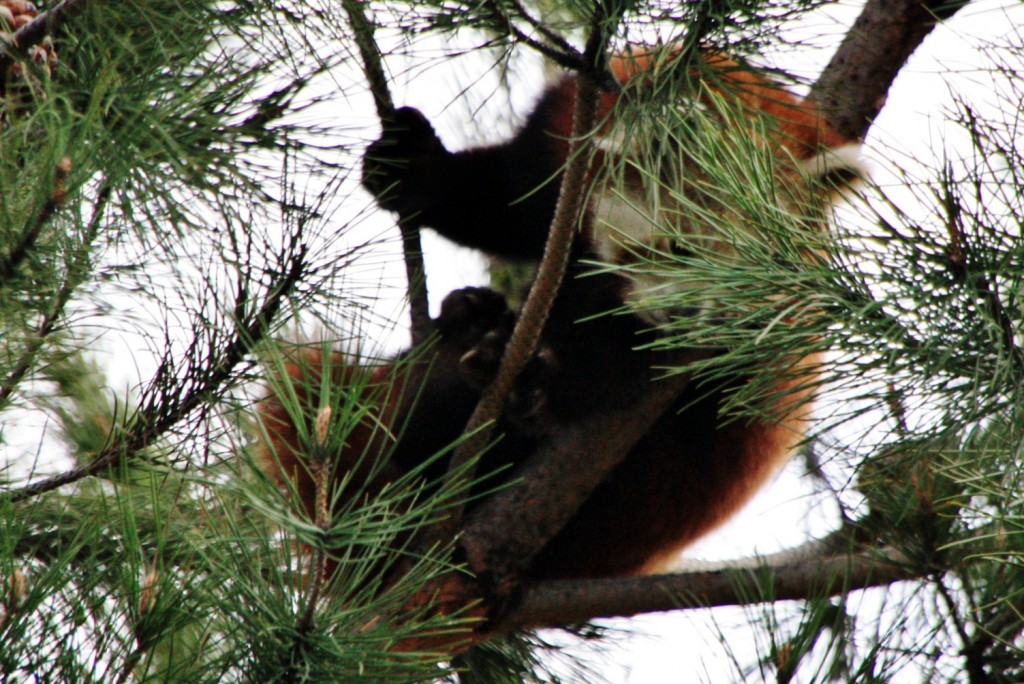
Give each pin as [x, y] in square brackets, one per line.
[961, 269]
[412, 250]
[561, 53]
[34, 344]
[47, 324]
[322, 467]
[568, 212]
[560, 42]
[131, 662]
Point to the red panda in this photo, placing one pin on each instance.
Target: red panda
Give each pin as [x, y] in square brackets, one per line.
[694, 468]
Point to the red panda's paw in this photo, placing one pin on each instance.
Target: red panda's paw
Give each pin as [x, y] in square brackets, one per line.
[467, 314]
[479, 365]
[475, 324]
[397, 167]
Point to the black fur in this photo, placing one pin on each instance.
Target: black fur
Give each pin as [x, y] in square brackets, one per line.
[498, 199]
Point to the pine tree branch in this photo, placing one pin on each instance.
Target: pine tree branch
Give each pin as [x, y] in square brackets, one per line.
[550, 273]
[557, 49]
[44, 329]
[168, 409]
[551, 36]
[409, 226]
[963, 270]
[853, 87]
[322, 468]
[564, 602]
[131, 662]
[49, 320]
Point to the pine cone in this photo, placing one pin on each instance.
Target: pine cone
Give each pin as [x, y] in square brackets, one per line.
[21, 86]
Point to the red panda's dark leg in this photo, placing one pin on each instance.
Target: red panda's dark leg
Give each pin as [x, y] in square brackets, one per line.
[441, 397]
[499, 199]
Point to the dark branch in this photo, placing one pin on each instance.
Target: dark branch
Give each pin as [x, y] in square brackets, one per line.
[12, 261]
[48, 323]
[557, 49]
[409, 227]
[570, 601]
[507, 531]
[853, 87]
[44, 329]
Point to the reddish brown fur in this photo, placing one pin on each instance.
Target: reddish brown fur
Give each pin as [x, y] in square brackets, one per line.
[283, 454]
[802, 127]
